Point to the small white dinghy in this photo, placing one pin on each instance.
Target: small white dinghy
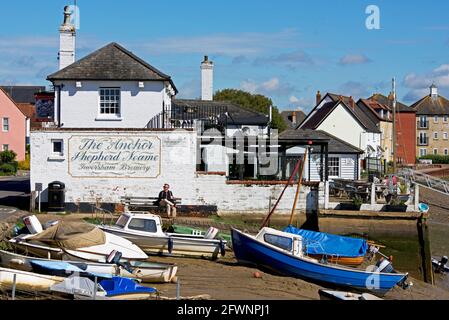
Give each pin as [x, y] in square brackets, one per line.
[82, 239]
[27, 281]
[344, 295]
[146, 272]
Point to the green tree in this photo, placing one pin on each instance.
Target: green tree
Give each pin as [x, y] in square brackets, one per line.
[255, 102]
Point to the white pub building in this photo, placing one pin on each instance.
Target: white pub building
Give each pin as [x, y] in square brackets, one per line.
[119, 131]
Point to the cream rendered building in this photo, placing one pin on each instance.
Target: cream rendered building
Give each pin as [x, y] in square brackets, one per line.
[432, 115]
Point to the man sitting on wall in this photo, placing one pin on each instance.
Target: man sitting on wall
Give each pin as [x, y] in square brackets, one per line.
[166, 199]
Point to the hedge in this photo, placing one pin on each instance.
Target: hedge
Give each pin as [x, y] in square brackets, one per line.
[436, 159]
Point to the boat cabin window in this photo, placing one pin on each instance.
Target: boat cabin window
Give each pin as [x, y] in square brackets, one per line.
[122, 221]
[143, 225]
[279, 241]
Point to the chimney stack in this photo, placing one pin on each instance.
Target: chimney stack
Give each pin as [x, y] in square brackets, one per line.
[294, 118]
[351, 102]
[207, 79]
[318, 97]
[67, 35]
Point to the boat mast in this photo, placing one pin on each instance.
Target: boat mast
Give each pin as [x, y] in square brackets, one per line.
[394, 127]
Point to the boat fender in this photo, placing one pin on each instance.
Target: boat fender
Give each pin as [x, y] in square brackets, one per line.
[222, 248]
[170, 245]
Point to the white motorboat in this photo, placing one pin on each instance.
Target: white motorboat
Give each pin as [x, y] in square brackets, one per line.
[145, 230]
[85, 241]
[26, 281]
[143, 271]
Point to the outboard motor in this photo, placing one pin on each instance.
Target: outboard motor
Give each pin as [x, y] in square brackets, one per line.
[33, 224]
[114, 257]
[442, 264]
[385, 266]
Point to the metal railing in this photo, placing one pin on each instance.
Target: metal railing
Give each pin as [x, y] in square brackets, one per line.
[189, 117]
[425, 180]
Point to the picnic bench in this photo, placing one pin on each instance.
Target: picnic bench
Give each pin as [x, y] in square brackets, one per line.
[144, 203]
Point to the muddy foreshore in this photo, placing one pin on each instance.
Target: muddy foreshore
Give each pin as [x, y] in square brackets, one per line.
[226, 279]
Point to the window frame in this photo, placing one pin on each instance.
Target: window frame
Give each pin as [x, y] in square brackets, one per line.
[130, 227]
[422, 152]
[57, 153]
[278, 244]
[445, 119]
[435, 119]
[7, 147]
[435, 136]
[110, 116]
[446, 152]
[445, 136]
[435, 151]
[7, 124]
[330, 167]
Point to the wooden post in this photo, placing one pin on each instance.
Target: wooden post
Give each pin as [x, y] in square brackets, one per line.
[95, 288]
[298, 188]
[178, 290]
[14, 280]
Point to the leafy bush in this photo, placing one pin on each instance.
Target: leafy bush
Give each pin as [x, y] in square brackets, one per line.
[7, 156]
[7, 169]
[437, 159]
[24, 165]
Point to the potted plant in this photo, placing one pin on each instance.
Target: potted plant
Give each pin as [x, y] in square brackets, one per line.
[396, 205]
[403, 195]
[355, 205]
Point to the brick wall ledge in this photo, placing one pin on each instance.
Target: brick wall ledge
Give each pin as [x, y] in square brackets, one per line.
[218, 173]
[270, 182]
[109, 129]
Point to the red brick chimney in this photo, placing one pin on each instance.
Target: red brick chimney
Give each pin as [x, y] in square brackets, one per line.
[318, 97]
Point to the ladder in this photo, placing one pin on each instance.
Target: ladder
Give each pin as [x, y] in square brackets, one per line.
[425, 180]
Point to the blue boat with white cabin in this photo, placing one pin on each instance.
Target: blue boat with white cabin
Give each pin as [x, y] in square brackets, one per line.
[283, 253]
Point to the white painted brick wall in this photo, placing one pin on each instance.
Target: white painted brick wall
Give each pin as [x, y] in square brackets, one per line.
[178, 169]
[80, 106]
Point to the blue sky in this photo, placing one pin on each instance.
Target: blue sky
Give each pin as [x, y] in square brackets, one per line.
[285, 49]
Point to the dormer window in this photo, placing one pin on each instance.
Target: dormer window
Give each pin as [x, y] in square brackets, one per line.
[110, 102]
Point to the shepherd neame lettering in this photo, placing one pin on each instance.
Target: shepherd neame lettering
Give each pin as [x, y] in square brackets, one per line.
[105, 156]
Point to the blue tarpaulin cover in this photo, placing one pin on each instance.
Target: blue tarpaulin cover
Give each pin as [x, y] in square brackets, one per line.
[330, 244]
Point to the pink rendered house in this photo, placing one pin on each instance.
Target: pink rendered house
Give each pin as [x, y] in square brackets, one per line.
[13, 126]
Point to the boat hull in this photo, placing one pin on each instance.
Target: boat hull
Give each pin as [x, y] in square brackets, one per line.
[27, 281]
[97, 253]
[146, 272]
[182, 246]
[248, 250]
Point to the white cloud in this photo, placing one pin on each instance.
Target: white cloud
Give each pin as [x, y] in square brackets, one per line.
[419, 83]
[293, 99]
[352, 59]
[270, 87]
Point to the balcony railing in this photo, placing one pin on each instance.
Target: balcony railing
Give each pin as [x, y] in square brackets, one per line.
[423, 141]
[423, 125]
[189, 117]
